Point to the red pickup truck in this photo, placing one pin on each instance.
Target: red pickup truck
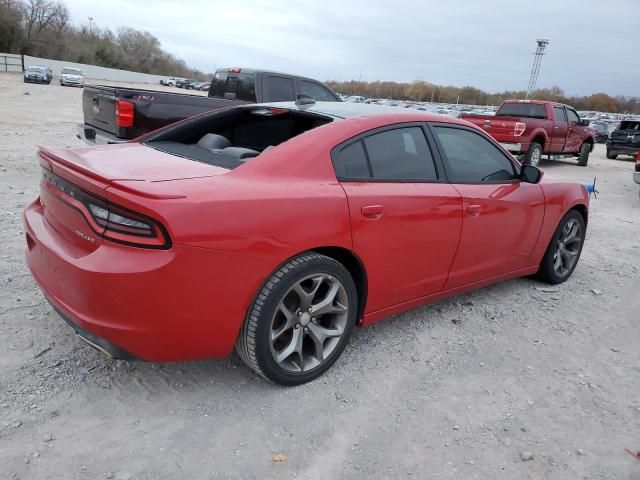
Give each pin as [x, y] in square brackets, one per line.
[531, 128]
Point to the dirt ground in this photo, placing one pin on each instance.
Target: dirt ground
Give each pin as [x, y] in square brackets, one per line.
[513, 381]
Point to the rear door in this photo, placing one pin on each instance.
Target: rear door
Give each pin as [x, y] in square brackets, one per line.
[405, 218]
[99, 107]
[560, 129]
[502, 216]
[278, 88]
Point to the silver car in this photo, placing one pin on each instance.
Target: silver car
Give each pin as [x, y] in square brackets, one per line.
[72, 77]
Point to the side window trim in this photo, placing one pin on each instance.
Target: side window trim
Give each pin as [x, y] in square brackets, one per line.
[441, 153]
[339, 170]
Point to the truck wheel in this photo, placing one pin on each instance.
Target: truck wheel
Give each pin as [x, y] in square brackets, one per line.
[611, 156]
[585, 149]
[534, 155]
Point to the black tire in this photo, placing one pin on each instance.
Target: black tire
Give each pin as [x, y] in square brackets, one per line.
[253, 344]
[611, 156]
[583, 158]
[534, 155]
[547, 272]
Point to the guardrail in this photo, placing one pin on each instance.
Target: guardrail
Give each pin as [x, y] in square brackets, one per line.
[11, 63]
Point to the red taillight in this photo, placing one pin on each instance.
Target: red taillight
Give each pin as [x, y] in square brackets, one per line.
[110, 221]
[124, 113]
[519, 129]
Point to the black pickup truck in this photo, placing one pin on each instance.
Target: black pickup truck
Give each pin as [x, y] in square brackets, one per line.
[116, 115]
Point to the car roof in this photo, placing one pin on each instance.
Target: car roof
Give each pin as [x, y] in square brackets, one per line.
[346, 110]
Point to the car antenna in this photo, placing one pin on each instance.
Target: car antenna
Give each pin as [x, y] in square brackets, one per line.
[304, 100]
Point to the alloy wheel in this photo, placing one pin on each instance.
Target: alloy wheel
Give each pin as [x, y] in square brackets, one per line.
[308, 323]
[567, 248]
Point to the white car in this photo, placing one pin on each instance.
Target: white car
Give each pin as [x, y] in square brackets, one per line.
[72, 76]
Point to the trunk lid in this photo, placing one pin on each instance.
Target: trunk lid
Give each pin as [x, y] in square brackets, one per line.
[99, 107]
[106, 164]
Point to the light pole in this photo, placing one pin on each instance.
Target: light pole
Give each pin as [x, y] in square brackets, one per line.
[90, 25]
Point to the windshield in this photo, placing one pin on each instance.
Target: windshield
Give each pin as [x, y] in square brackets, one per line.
[36, 69]
[71, 71]
[234, 86]
[526, 110]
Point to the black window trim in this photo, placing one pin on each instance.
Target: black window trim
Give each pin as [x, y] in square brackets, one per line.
[337, 168]
[516, 165]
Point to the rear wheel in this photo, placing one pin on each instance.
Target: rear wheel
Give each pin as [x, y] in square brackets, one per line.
[301, 320]
[611, 156]
[534, 155]
[564, 249]
[583, 158]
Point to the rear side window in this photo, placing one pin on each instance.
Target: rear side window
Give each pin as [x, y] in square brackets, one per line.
[315, 91]
[401, 154]
[235, 86]
[525, 110]
[279, 89]
[560, 115]
[471, 158]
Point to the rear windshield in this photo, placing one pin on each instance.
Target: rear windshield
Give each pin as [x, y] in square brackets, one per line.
[526, 110]
[233, 86]
[71, 71]
[629, 125]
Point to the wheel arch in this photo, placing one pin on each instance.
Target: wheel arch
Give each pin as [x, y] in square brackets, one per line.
[582, 210]
[540, 137]
[354, 266]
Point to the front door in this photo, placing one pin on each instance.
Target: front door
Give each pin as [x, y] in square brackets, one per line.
[405, 219]
[574, 135]
[502, 216]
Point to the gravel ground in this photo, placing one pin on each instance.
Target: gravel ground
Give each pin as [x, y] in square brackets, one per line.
[513, 381]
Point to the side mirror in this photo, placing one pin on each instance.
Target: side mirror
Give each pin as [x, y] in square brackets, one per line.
[530, 174]
[584, 123]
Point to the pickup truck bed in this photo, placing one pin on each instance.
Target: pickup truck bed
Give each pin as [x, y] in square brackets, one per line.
[151, 110]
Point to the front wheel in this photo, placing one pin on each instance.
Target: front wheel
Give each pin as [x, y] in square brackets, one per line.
[611, 156]
[564, 249]
[534, 155]
[585, 150]
[300, 321]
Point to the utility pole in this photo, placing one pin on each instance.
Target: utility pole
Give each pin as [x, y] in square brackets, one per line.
[90, 25]
[535, 69]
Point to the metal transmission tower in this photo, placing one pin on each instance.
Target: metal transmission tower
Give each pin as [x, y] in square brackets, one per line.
[537, 60]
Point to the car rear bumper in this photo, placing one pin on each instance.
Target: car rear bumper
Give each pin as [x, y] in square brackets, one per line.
[155, 305]
[622, 150]
[94, 136]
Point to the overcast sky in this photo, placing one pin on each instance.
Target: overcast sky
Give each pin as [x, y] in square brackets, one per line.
[482, 43]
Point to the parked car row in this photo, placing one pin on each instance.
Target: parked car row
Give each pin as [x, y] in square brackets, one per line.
[68, 76]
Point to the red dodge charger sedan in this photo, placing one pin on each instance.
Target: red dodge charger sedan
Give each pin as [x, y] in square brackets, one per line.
[279, 228]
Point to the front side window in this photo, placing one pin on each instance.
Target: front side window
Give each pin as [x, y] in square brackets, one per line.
[573, 116]
[401, 154]
[471, 158]
[315, 91]
[279, 89]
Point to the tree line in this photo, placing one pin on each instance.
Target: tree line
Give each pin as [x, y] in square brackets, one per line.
[42, 28]
[427, 92]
